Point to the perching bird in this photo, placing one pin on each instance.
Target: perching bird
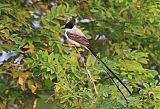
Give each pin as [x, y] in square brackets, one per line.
[76, 37]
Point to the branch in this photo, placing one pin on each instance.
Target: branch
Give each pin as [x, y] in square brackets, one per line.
[88, 72]
[5, 73]
[34, 103]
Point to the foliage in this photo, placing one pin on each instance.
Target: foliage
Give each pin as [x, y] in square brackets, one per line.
[52, 72]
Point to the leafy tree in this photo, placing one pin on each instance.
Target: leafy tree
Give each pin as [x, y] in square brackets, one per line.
[124, 34]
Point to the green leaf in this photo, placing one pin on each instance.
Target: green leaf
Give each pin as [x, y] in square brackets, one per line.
[54, 12]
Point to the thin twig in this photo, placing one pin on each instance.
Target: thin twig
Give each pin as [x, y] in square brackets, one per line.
[13, 107]
[49, 98]
[6, 105]
[6, 73]
[34, 103]
[88, 72]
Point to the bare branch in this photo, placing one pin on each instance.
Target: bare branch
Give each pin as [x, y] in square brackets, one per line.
[34, 104]
[88, 72]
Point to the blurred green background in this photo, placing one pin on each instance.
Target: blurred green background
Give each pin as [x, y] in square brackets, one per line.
[39, 70]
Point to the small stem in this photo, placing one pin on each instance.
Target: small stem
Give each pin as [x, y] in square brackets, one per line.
[13, 107]
[49, 98]
[6, 105]
[88, 72]
[34, 104]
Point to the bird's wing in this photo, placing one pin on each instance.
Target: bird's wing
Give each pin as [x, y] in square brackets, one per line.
[78, 37]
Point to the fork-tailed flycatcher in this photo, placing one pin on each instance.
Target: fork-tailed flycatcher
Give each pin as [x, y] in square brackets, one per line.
[76, 37]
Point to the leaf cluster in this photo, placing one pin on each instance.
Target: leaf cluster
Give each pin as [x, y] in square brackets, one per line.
[52, 72]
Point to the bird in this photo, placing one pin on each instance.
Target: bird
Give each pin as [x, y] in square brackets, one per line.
[76, 37]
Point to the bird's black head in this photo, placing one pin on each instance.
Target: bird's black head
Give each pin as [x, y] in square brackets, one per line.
[69, 25]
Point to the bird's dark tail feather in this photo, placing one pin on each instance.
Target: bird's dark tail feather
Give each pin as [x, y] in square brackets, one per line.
[92, 51]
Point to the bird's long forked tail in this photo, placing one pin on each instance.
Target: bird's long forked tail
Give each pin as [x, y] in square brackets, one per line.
[108, 69]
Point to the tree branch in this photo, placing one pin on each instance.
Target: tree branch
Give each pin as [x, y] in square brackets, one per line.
[88, 72]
